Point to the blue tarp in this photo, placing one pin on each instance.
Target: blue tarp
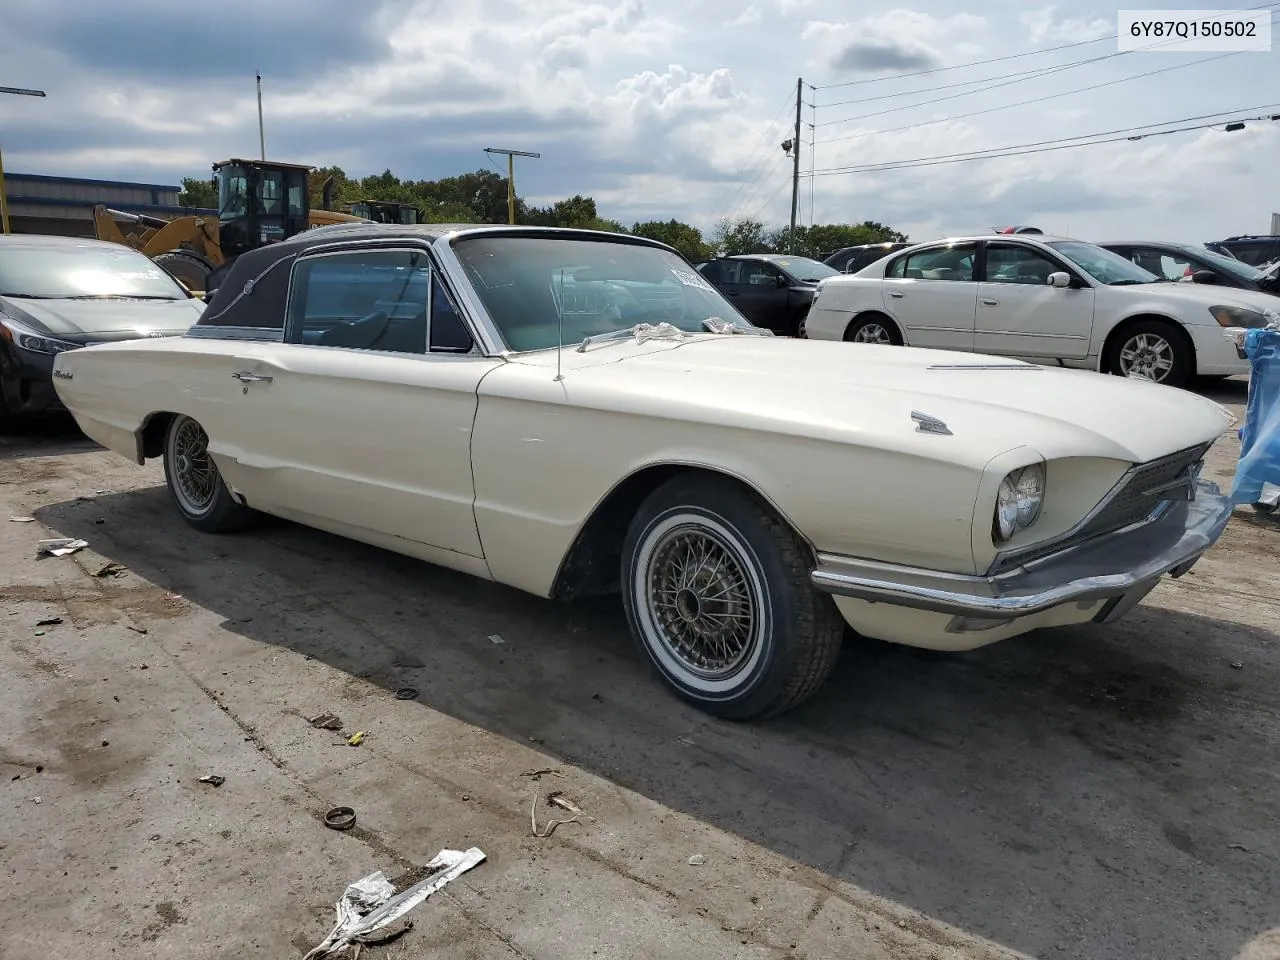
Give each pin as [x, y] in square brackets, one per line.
[1260, 437]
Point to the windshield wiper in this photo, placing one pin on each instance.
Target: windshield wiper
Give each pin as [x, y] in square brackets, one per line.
[716, 325]
[113, 296]
[1129, 283]
[641, 332]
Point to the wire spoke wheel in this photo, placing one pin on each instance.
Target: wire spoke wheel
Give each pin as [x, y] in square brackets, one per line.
[1147, 355]
[194, 478]
[702, 602]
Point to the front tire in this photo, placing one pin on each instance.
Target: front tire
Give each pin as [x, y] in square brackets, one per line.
[1155, 349]
[717, 594]
[195, 485]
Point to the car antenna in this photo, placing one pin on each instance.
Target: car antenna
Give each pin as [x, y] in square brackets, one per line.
[560, 324]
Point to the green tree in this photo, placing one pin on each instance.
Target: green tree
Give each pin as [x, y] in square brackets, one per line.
[685, 238]
[821, 239]
[197, 192]
[733, 237]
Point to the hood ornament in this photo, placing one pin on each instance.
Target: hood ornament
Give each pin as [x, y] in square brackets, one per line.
[928, 424]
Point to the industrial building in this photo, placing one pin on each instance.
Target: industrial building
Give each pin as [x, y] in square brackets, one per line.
[64, 205]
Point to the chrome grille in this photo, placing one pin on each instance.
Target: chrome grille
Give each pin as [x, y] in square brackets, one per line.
[1135, 498]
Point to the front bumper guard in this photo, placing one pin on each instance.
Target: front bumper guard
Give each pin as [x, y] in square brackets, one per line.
[1122, 567]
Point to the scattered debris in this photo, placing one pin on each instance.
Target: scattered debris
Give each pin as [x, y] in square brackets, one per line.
[39, 768]
[142, 630]
[356, 738]
[49, 622]
[22, 519]
[697, 860]
[1239, 846]
[100, 521]
[495, 638]
[111, 569]
[686, 741]
[325, 721]
[340, 818]
[554, 799]
[37, 800]
[106, 743]
[1237, 665]
[16, 776]
[60, 546]
[173, 596]
[368, 905]
[213, 780]
[406, 693]
[39, 633]
[545, 772]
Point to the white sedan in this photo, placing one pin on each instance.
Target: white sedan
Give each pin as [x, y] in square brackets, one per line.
[747, 495]
[1044, 299]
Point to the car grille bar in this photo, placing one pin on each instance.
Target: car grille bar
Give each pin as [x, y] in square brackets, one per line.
[1138, 497]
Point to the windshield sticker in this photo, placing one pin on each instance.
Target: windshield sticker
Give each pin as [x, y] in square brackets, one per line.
[692, 279]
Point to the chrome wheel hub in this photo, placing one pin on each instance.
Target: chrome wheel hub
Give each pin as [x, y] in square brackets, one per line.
[1147, 355]
[872, 333]
[702, 604]
[194, 475]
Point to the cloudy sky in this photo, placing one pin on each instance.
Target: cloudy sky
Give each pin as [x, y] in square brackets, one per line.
[662, 108]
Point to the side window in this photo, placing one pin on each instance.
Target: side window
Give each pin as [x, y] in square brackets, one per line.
[939, 263]
[895, 269]
[761, 275]
[367, 300]
[1251, 251]
[731, 271]
[713, 271]
[449, 332]
[1017, 264]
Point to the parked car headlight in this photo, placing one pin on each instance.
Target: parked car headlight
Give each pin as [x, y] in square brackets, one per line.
[26, 339]
[1239, 317]
[1018, 501]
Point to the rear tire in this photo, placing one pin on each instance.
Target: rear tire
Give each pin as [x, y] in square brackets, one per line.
[191, 271]
[873, 328]
[195, 485]
[717, 594]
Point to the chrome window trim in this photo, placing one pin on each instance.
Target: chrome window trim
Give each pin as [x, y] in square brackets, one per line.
[214, 332]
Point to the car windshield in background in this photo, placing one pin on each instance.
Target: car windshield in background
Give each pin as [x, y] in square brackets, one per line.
[806, 270]
[1103, 265]
[529, 285]
[65, 273]
[1231, 265]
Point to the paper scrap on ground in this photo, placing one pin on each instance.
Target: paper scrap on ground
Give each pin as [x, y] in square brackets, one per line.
[368, 905]
[61, 546]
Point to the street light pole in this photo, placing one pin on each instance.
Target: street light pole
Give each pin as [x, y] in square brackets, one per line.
[4, 194]
[511, 177]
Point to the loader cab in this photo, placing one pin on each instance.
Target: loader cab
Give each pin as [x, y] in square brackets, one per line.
[260, 203]
[384, 211]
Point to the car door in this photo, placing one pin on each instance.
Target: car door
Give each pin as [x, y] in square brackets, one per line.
[932, 294]
[1021, 315]
[362, 415]
[763, 295]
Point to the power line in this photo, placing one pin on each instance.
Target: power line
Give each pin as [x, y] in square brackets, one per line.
[758, 183]
[1044, 146]
[756, 155]
[1023, 103]
[983, 63]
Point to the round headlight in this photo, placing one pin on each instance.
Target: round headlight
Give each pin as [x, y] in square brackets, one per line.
[1030, 491]
[1006, 509]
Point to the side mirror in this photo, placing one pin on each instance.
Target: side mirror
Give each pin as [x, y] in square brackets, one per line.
[1204, 276]
[1059, 278]
[782, 281]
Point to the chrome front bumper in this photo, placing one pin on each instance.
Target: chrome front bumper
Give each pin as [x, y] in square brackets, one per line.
[1121, 567]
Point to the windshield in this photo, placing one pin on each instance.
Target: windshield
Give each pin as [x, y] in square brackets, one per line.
[1231, 265]
[806, 270]
[529, 285]
[60, 273]
[1103, 265]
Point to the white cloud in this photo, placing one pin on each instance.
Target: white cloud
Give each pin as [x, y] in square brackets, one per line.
[1043, 26]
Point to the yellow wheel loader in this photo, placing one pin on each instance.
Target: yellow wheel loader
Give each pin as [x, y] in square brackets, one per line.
[258, 203]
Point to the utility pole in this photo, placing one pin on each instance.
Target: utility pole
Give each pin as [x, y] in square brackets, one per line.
[262, 138]
[4, 197]
[511, 177]
[795, 168]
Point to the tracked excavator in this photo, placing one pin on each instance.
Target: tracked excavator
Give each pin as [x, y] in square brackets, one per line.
[259, 202]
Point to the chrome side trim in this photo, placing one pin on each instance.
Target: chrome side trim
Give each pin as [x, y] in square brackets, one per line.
[1112, 566]
[275, 334]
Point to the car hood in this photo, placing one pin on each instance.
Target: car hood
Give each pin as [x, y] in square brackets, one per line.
[867, 393]
[1206, 293]
[89, 321]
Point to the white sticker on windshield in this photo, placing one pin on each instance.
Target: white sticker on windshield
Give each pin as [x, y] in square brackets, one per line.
[694, 279]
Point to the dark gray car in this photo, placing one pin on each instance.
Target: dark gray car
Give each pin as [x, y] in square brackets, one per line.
[1196, 263]
[770, 289]
[60, 293]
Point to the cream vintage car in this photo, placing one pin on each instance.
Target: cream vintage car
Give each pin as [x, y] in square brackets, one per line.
[747, 495]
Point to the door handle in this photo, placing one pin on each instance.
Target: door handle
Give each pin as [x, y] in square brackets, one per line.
[897, 294]
[246, 377]
[989, 302]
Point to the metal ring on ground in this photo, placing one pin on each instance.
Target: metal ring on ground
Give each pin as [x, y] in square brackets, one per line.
[340, 818]
[406, 693]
